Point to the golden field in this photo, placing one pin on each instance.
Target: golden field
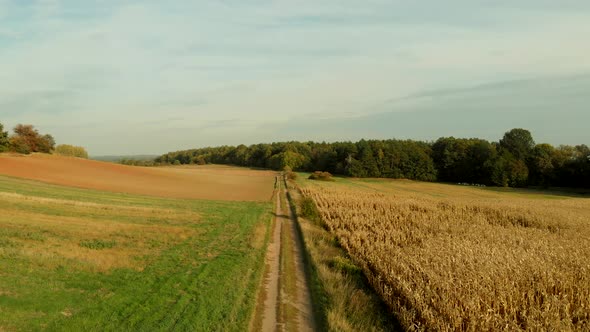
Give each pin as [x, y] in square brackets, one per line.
[447, 257]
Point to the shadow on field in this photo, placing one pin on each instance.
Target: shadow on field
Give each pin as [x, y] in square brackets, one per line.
[284, 216]
[557, 191]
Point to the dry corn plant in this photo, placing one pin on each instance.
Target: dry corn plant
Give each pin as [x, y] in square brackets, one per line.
[468, 264]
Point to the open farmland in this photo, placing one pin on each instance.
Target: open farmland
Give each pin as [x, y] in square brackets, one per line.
[78, 260]
[447, 257]
[197, 182]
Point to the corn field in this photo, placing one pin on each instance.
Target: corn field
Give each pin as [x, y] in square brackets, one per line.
[467, 263]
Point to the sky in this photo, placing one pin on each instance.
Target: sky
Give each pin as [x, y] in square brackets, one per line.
[148, 77]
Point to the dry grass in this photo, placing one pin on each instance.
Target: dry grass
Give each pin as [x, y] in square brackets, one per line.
[258, 237]
[53, 239]
[453, 258]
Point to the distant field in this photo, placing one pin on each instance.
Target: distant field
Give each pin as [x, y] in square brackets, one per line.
[85, 260]
[198, 182]
[122, 157]
[448, 257]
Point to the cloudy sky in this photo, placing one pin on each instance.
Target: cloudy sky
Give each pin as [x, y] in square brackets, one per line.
[134, 77]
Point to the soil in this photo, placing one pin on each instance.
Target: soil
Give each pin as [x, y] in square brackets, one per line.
[271, 282]
[196, 182]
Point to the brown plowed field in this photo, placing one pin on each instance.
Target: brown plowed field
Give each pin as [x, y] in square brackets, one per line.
[198, 182]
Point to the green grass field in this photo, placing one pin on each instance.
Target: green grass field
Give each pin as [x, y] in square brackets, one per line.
[73, 259]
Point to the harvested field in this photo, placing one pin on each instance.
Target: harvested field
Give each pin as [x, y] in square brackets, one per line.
[195, 182]
[455, 258]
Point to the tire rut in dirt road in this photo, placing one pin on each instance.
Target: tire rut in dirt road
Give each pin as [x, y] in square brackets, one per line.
[270, 291]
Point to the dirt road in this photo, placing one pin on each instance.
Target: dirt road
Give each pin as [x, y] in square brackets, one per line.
[284, 302]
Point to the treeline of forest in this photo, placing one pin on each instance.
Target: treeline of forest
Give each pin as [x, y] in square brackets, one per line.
[516, 160]
[26, 139]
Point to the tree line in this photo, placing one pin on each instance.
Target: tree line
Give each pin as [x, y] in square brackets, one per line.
[26, 139]
[515, 161]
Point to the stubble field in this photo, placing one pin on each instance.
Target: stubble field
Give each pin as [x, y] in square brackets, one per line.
[449, 258]
[80, 259]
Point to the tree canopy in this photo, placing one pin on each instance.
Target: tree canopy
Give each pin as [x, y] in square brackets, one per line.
[4, 142]
[513, 161]
[27, 139]
[519, 142]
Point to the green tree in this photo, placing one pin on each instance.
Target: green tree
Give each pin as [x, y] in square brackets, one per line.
[46, 144]
[344, 152]
[259, 155]
[323, 157]
[518, 173]
[19, 144]
[519, 142]
[540, 163]
[508, 171]
[291, 159]
[240, 155]
[418, 163]
[449, 154]
[479, 156]
[499, 176]
[3, 139]
[199, 160]
[583, 166]
[355, 168]
[367, 159]
[514, 161]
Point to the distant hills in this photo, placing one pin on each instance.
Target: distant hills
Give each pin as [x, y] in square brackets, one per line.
[115, 159]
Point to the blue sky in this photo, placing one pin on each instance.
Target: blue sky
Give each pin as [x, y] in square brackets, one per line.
[133, 77]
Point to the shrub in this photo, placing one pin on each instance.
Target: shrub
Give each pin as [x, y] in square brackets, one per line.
[322, 176]
[309, 209]
[345, 265]
[71, 151]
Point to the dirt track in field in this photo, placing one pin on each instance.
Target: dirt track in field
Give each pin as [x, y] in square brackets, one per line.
[195, 182]
[284, 302]
[269, 314]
